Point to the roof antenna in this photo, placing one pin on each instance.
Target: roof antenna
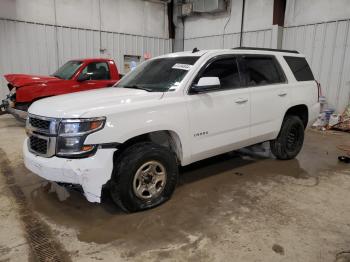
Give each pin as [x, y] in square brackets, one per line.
[195, 50]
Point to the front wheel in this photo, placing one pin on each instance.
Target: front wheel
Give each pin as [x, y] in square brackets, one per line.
[290, 139]
[145, 176]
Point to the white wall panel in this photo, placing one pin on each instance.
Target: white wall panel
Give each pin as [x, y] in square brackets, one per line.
[326, 46]
[261, 38]
[301, 12]
[26, 48]
[124, 16]
[39, 49]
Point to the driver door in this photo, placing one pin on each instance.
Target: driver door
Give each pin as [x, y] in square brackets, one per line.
[99, 76]
[219, 119]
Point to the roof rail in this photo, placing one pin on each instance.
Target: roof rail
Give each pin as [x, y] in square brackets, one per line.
[195, 50]
[267, 49]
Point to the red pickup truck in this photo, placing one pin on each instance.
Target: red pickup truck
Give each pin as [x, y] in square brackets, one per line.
[73, 76]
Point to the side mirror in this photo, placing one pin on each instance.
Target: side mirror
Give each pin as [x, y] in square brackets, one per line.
[206, 84]
[84, 77]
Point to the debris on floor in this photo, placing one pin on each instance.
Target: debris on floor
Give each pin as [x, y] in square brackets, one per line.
[344, 159]
[346, 149]
[343, 256]
[278, 249]
[329, 120]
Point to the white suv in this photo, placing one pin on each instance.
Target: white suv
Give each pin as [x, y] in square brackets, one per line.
[171, 110]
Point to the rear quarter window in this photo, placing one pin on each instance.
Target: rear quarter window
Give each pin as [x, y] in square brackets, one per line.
[300, 68]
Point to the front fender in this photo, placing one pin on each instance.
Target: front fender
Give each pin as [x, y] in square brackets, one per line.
[31, 93]
[125, 125]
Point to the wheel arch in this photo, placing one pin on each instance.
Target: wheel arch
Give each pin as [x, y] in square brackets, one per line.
[167, 138]
[300, 111]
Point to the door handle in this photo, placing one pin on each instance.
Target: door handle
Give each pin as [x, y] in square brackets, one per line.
[241, 101]
[282, 94]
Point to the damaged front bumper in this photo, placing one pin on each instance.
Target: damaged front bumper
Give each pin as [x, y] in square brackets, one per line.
[8, 107]
[3, 106]
[90, 173]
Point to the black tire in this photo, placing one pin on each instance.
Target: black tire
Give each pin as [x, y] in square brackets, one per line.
[125, 168]
[290, 139]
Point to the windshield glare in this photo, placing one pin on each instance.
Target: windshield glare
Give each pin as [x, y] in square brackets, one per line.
[158, 75]
[67, 70]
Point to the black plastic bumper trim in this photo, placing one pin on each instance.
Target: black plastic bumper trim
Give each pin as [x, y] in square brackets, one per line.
[110, 145]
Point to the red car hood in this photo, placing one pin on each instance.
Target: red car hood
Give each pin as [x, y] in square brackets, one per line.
[19, 80]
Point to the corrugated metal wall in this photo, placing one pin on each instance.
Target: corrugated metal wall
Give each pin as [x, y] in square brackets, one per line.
[326, 46]
[39, 49]
[260, 38]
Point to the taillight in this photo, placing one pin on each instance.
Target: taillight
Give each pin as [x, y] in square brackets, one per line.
[319, 90]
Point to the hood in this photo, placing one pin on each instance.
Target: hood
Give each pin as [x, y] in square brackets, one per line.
[94, 103]
[20, 80]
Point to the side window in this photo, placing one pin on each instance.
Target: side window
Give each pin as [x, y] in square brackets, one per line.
[300, 68]
[226, 70]
[97, 71]
[261, 70]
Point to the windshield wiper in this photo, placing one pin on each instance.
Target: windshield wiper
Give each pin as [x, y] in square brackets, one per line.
[138, 87]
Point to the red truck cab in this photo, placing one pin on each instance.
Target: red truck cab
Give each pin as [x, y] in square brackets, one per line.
[74, 76]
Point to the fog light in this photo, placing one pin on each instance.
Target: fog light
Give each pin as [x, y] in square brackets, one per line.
[73, 146]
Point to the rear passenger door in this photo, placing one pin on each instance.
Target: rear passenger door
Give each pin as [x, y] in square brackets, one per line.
[267, 84]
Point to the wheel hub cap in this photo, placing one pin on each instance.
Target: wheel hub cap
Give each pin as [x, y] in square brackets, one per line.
[149, 180]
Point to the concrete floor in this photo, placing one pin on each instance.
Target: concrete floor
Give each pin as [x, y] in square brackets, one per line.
[236, 207]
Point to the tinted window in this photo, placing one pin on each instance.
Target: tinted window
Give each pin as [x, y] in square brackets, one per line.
[300, 68]
[261, 70]
[226, 70]
[158, 75]
[97, 71]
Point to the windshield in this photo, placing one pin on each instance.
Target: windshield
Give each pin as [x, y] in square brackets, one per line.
[158, 75]
[67, 70]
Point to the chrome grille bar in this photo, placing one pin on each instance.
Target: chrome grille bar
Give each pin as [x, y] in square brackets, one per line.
[42, 132]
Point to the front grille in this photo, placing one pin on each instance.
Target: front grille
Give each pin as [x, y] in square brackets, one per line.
[39, 123]
[38, 145]
[42, 132]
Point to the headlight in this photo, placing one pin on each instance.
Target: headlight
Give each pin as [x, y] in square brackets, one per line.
[72, 134]
[73, 127]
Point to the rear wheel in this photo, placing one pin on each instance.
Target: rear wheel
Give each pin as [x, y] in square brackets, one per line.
[145, 176]
[290, 139]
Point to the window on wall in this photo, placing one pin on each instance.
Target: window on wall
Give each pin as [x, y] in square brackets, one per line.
[97, 71]
[226, 70]
[300, 68]
[279, 9]
[261, 70]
